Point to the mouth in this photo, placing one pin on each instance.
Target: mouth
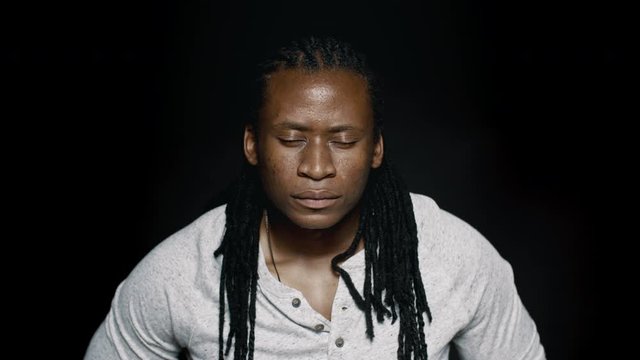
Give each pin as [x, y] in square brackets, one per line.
[316, 199]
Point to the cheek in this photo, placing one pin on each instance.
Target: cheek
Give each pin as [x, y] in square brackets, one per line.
[276, 171]
[353, 175]
[271, 163]
[353, 166]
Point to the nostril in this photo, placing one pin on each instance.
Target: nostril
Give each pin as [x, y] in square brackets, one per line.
[316, 163]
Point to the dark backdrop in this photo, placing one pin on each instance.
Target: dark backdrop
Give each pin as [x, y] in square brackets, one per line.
[503, 112]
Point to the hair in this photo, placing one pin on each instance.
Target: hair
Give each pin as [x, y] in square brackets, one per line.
[393, 286]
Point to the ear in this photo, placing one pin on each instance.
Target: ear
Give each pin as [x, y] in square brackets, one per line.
[250, 145]
[378, 153]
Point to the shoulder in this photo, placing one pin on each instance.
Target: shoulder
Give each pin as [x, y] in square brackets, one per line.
[203, 235]
[471, 289]
[443, 234]
[154, 308]
[459, 266]
[172, 274]
[179, 255]
[451, 250]
[183, 251]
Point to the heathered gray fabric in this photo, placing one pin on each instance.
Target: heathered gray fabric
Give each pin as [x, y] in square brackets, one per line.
[170, 301]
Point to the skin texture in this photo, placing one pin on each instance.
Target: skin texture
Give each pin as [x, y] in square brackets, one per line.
[315, 133]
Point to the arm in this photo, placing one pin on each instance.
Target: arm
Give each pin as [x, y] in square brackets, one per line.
[147, 315]
[137, 327]
[156, 309]
[501, 327]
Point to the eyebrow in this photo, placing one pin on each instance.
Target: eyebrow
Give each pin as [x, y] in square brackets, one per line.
[290, 125]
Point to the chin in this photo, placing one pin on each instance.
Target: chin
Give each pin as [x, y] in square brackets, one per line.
[315, 221]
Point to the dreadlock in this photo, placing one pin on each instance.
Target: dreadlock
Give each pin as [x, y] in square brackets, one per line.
[393, 286]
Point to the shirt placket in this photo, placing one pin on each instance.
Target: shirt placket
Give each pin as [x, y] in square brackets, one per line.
[344, 317]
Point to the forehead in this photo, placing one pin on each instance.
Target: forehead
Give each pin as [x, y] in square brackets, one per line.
[321, 93]
[294, 80]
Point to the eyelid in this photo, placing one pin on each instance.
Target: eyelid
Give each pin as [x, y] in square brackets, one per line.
[291, 142]
[341, 144]
[346, 139]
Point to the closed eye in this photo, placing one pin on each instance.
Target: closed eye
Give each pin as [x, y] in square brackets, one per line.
[344, 144]
[291, 142]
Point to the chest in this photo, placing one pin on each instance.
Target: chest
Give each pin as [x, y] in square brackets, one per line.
[318, 288]
[288, 327]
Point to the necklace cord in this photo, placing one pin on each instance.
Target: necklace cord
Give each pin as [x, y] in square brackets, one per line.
[273, 261]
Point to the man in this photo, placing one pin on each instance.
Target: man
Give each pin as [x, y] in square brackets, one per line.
[321, 252]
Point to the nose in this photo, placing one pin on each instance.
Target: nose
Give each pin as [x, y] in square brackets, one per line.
[316, 162]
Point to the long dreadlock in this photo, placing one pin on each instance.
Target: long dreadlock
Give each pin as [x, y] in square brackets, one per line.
[386, 222]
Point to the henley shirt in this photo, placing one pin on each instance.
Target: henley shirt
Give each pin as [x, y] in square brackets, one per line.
[170, 302]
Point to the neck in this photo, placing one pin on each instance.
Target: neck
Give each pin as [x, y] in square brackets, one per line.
[293, 241]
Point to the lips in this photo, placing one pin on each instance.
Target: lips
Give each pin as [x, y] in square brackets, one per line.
[316, 199]
[316, 195]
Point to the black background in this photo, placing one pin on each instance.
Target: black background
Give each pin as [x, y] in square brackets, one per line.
[508, 114]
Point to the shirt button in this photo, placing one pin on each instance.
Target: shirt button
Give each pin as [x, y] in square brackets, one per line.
[339, 342]
[295, 302]
[319, 327]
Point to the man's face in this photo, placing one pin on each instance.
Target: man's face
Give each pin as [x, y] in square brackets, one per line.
[315, 146]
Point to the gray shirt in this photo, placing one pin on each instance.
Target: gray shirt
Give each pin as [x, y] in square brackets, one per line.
[170, 301]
